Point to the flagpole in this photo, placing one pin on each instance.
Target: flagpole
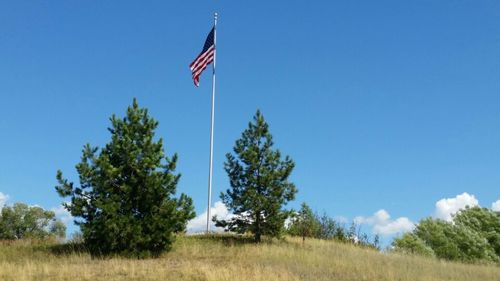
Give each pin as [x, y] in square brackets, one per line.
[212, 126]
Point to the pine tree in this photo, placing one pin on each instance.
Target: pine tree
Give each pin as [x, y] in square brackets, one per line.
[259, 184]
[125, 202]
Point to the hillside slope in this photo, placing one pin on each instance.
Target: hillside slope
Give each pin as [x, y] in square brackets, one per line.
[227, 258]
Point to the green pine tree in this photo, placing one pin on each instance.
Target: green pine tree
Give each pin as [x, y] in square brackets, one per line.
[125, 202]
[259, 184]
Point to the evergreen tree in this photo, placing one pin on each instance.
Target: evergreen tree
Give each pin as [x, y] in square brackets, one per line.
[259, 184]
[125, 202]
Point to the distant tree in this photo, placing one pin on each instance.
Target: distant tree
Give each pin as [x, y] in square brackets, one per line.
[58, 229]
[376, 241]
[22, 221]
[363, 238]
[125, 202]
[328, 227]
[483, 221]
[352, 234]
[472, 245]
[438, 235]
[341, 234]
[411, 244]
[259, 184]
[304, 223]
[471, 236]
[453, 242]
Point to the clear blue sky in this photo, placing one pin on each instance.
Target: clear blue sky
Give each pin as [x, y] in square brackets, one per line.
[388, 105]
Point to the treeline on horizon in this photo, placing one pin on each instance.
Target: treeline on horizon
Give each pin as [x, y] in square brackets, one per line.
[473, 235]
[126, 203]
[306, 223]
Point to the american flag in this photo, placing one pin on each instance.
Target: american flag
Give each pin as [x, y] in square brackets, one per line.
[203, 59]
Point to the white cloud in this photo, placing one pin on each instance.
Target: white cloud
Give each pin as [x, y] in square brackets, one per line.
[383, 225]
[495, 206]
[3, 199]
[400, 225]
[379, 216]
[447, 207]
[62, 214]
[199, 223]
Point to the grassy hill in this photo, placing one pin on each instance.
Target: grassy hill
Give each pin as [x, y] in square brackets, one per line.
[230, 258]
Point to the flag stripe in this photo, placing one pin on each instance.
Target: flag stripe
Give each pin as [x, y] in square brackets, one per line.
[200, 70]
[205, 58]
[197, 74]
[202, 59]
[203, 63]
[199, 57]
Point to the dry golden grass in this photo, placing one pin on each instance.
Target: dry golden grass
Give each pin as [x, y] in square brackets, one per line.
[228, 258]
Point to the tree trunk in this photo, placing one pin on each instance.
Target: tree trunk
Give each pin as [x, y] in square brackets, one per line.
[257, 227]
[257, 237]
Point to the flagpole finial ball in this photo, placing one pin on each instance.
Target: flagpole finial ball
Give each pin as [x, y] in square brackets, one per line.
[215, 15]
